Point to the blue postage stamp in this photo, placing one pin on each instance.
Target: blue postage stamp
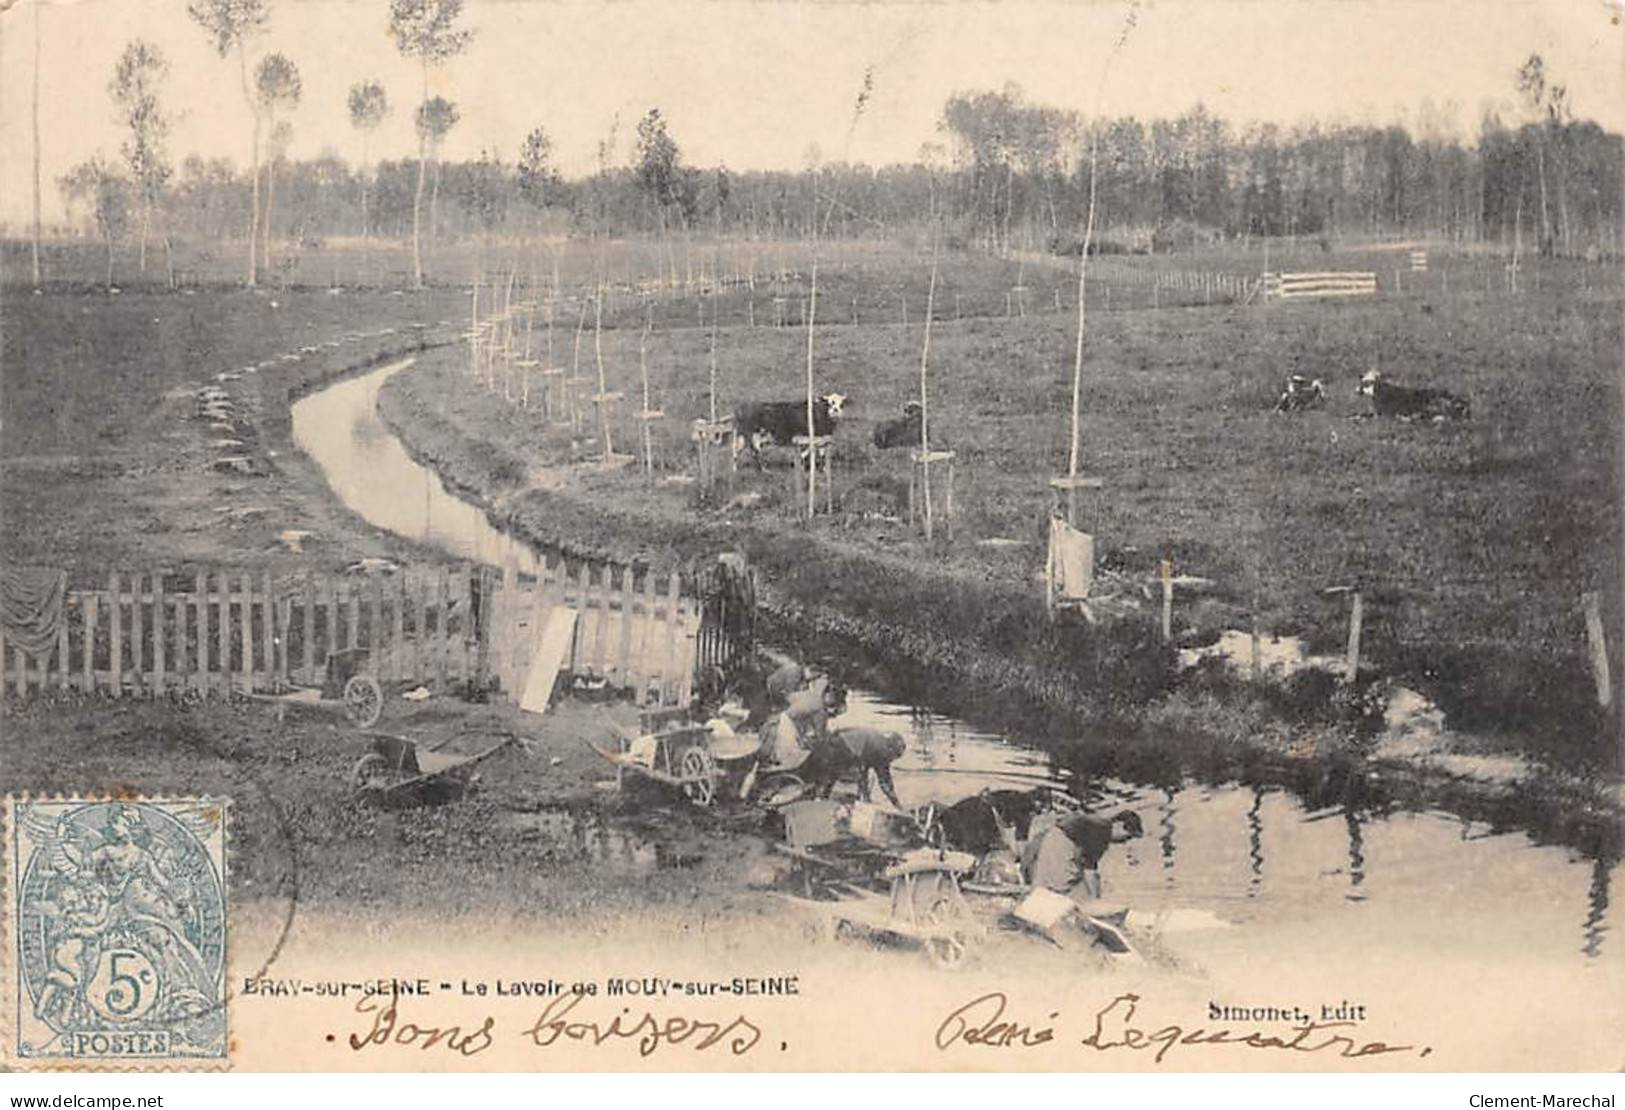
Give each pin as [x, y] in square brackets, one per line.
[118, 913]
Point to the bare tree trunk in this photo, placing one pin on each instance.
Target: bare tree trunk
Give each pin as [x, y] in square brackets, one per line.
[254, 168]
[108, 239]
[434, 200]
[37, 5]
[364, 228]
[1543, 244]
[270, 200]
[417, 196]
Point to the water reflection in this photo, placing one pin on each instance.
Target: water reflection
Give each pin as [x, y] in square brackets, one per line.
[1255, 843]
[1433, 866]
[1165, 823]
[586, 835]
[339, 427]
[1351, 819]
[1597, 907]
[1319, 860]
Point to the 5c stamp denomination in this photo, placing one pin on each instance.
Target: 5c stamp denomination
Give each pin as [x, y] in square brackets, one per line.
[118, 929]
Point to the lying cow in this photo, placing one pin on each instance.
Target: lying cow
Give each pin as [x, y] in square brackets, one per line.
[901, 431]
[764, 423]
[1411, 403]
[1301, 394]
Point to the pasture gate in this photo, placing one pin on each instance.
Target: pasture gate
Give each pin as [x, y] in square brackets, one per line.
[1334, 283]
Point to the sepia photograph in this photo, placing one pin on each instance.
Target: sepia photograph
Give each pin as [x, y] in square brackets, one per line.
[790, 536]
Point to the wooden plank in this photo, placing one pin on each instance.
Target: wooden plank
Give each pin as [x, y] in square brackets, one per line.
[375, 610]
[352, 627]
[309, 671]
[333, 609]
[442, 599]
[507, 631]
[544, 599]
[623, 655]
[159, 625]
[63, 665]
[116, 638]
[177, 619]
[554, 648]
[268, 629]
[485, 627]
[397, 643]
[138, 654]
[420, 630]
[200, 599]
[669, 662]
[285, 675]
[1351, 672]
[245, 611]
[465, 621]
[1597, 641]
[222, 592]
[582, 658]
[645, 638]
[600, 636]
[688, 646]
[87, 672]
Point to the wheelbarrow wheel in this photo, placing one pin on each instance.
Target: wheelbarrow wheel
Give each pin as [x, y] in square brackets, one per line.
[699, 774]
[950, 942]
[363, 700]
[946, 951]
[939, 907]
[369, 773]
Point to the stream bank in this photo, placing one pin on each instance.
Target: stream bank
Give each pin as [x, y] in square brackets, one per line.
[1103, 699]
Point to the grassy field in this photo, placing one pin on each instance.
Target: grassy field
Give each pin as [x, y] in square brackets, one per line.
[1472, 542]
[105, 462]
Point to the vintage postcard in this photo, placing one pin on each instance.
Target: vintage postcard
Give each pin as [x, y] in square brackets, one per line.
[790, 536]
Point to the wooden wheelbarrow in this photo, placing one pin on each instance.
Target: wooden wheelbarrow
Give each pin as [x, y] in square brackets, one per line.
[398, 771]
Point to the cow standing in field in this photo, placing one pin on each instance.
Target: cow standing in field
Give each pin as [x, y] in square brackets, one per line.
[1301, 394]
[901, 431]
[763, 423]
[1411, 403]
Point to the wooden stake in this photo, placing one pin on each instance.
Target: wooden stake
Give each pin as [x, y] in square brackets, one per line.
[925, 412]
[1167, 600]
[812, 459]
[643, 366]
[1598, 642]
[1351, 670]
[603, 386]
[474, 334]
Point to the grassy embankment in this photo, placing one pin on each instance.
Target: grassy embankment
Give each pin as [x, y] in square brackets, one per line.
[106, 462]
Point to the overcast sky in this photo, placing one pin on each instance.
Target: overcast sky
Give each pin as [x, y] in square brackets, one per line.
[752, 83]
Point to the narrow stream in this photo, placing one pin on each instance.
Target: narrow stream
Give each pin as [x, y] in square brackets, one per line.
[1330, 885]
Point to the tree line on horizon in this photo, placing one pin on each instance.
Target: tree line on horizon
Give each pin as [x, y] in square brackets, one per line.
[1001, 173]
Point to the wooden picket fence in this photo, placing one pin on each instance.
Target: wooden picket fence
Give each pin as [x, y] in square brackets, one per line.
[149, 633]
